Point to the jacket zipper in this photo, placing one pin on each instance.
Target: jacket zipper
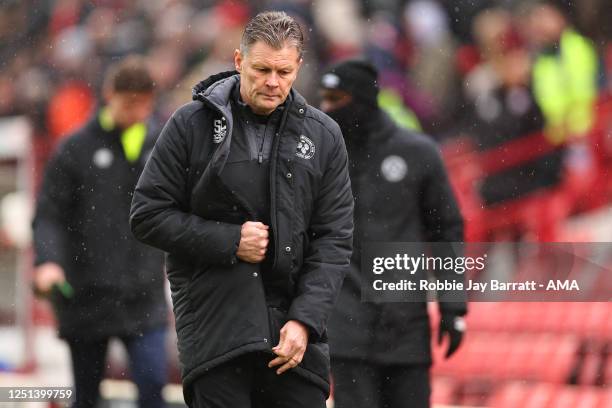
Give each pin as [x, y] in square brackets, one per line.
[263, 142]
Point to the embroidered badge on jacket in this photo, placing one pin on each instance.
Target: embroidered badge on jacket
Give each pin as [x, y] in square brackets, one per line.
[305, 148]
[103, 158]
[394, 168]
[219, 130]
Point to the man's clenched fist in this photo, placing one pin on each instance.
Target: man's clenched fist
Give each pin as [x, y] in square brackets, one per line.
[254, 240]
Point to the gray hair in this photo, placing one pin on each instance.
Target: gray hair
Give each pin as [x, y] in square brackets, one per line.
[274, 28]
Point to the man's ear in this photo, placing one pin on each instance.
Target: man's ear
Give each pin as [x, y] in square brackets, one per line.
[238, 60]
[299, 65]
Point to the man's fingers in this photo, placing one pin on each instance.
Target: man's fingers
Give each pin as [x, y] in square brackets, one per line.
[284, 349]
[291, 363]
[285, 363]
[289, 349]
[263, 244]
[257, 224]
[277, 361]
[278, 349]
[257, 258]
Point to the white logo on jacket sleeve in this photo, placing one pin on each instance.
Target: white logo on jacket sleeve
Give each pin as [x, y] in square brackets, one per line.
[103, 158]
[305, 148]
[219, 130]
[394, 168]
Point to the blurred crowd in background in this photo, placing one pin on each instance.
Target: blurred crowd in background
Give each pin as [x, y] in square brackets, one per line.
[446, 60]
[440, 56]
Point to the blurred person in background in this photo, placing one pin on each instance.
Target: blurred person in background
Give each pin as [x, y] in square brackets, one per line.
[488, 29]
[221, 27]
[101, 281]
[381, 351]
[564, 80]
[565, 71]
[387, 46]
[432, 67]
[248, 192]
[502, 109]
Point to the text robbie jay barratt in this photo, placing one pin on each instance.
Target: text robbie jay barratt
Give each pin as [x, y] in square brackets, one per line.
[493, 285]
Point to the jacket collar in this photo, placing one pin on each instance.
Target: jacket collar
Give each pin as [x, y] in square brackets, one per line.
[375, 132]
[382, 127]
[216, 93]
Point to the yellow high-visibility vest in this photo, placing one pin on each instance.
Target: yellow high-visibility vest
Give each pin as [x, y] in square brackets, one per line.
[565, 87]
[132, 138]
[391, 102]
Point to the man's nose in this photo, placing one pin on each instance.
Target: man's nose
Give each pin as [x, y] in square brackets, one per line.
[272, 80]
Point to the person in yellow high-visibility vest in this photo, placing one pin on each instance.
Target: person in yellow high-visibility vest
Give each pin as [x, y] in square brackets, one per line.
[564, 77]
[102, 282]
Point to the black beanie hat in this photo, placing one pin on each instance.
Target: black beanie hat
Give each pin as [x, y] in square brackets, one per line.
[357, 77]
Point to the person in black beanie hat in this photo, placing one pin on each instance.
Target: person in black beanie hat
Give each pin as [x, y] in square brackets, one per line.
[355, 80]
[381, 351]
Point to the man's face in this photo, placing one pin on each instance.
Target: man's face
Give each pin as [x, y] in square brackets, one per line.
[128, 108]
[266, 75]
[332, 99]
[545, 25]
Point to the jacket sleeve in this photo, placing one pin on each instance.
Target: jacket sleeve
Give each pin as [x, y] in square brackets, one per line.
[444, 226]
[54, 206]
[327, 257]
[160, 214]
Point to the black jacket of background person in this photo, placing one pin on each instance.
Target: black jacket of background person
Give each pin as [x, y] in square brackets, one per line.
[82, 223]
[420, 207]
[182, 206]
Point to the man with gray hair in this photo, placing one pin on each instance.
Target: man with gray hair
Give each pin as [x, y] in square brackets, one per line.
[247, 190]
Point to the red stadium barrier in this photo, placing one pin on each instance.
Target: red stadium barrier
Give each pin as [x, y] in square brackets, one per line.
[538, 213]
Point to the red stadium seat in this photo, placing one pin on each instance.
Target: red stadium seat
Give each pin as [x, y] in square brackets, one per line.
[506, 356]
[443, 391]
[588, 319]
[542, 395]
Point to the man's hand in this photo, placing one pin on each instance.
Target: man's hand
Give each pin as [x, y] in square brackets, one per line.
[291, 347]
[46, 275]
[253, 242]
[454, 327]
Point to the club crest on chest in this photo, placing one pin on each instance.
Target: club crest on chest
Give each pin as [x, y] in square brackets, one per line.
[393, 168]
[305, 149]
[103, 158]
